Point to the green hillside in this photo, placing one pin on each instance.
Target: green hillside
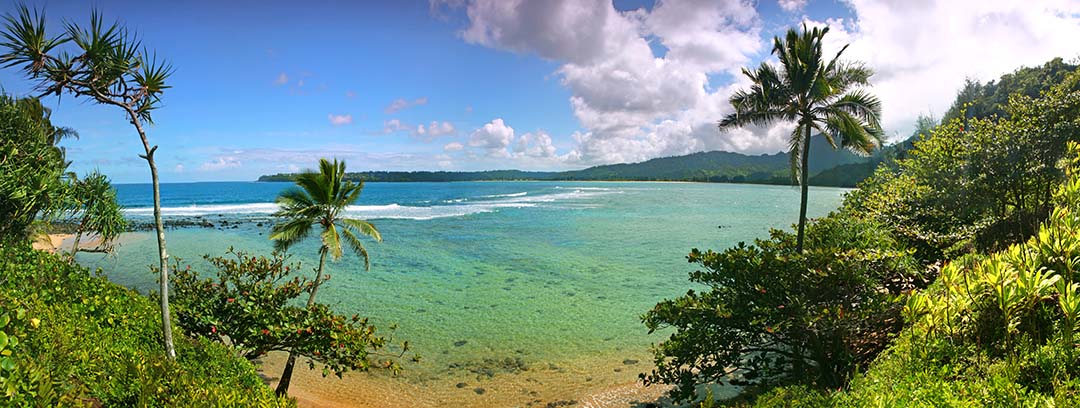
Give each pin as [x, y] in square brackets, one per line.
[715, 166]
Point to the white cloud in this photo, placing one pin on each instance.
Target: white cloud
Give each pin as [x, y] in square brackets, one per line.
[922, 54]
[282, 79]
[179, 168]
[350, 94]
[393, 125]
[221, 163]
[338, 120]
[453, 147]
[634, 105]
[535, 145]
[495, 137]
[792, 6]
[435, 129]
[400, 103]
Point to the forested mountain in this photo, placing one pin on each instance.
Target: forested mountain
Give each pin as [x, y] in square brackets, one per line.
[715, 166]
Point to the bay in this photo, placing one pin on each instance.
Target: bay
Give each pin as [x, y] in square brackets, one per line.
[551, 273]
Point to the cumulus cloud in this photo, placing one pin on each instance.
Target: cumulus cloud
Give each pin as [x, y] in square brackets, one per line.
[497, 143]
[495, 137]
[338, 120]
[622, 94]
[282, 79]
[221, 163]
[400, 103]
[179, 168]
[434, 130]
[535, 145]
[634, 103]
[952, 41]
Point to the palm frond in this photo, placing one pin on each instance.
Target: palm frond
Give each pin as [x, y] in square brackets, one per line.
[332, 241]
[290, 232]
[357, 246]
[861, 104]
[853, 135]
[363, 227]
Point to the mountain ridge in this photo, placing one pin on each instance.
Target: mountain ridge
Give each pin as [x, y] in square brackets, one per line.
[712, 166]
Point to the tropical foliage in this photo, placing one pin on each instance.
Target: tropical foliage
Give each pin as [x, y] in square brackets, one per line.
[320, 200]
[250, 305]
[91, 203]
[72, 338]
[997, 329]
[31, 169]
[977, 184]
[108, 64]
[773, 315]
[817, 95]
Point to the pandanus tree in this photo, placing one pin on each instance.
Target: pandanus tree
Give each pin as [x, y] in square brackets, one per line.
[92, 202]
[107, 64]
[320, 200]
[820, 96]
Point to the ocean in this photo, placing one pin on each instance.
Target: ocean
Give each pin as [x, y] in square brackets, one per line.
[554, 275]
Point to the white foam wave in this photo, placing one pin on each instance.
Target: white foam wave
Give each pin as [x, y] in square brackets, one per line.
[455, 208]
[523, 193]
[211, 209]
[585, 188]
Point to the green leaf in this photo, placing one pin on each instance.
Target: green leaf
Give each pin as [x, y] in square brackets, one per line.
[7, 363]
[3, 340]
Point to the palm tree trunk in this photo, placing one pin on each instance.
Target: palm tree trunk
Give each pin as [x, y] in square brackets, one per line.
[286, 374]
[804, 181]
[163, 255]
[318, 276]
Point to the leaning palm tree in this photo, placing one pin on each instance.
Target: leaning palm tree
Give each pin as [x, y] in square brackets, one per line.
[320, 200]
[816, 95]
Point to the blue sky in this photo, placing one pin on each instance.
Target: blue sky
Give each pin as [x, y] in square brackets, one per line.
[266, 87]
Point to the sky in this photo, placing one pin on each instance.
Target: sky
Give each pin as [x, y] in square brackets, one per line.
[263, 87]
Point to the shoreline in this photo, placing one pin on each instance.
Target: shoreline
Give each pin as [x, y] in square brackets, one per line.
[592, 383]
[62, 243]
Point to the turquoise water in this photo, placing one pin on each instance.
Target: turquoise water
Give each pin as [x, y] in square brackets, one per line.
[547, 271]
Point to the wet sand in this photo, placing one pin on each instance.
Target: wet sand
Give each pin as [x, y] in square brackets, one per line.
[63, 242]
[590, 383]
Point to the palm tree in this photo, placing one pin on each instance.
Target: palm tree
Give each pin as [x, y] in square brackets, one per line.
[321, 198]
[816, 96]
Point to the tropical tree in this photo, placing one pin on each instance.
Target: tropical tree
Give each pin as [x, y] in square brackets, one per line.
[320, 200]
[817, 95]
[108, 64]
[32, 170]
[92, 201]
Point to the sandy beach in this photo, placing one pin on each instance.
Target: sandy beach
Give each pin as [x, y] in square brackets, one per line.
[63, 243]
[592, 383]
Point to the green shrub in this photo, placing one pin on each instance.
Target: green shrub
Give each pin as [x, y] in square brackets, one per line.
[773, 316]
[995, 330]
[31, 167]
[250, 304]
[81, 340]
